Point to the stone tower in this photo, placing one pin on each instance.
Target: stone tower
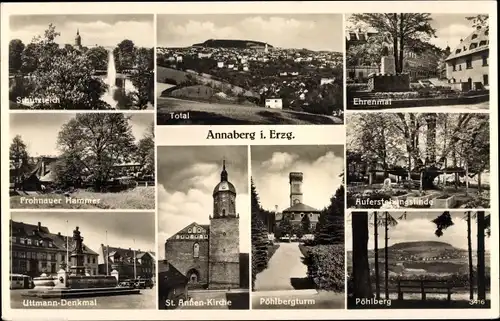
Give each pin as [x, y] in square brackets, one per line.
[295, 188]
[224, 253]
[78, 40]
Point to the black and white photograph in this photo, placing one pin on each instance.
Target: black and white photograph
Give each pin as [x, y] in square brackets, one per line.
[82, 161]
[92, 260]
[418, 260]
[297, 201]
[246, 69]
[203, 227]
[412, 160]
[81, 62]
[417, 62]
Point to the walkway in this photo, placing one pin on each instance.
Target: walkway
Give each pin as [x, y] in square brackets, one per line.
[285, 265]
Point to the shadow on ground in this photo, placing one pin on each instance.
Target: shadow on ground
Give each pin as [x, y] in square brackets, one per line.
[302, 283]
[239, 301]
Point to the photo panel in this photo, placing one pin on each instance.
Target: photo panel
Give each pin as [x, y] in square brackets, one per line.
[436, 61]
[418, 160]
[81, 62]
[249, 69]
[297, 201]
[203, 227]
[418, 260]
[87, 260]
[82, 161]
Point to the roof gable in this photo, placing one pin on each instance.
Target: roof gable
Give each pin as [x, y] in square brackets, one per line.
[202, 228]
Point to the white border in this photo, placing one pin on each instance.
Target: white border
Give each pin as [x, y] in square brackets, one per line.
[303, 135]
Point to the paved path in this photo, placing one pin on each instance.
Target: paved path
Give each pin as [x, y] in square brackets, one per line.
[286, 263]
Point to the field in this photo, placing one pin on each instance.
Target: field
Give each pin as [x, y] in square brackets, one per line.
[137, 198]
[179, 76]
[201, 113]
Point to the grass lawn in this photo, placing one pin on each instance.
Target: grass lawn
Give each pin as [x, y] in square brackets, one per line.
[231, 114]
[137, 198]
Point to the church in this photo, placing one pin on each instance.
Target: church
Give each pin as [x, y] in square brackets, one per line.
[208, 254]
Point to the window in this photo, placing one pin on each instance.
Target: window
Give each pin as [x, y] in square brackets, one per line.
[454, 67]
[13, 239]
[458, 51]
[474, 36]
[199, 229]
[352, 74]
[223, 212]
[191, 236]
[49, 257]
[22, 255]
[485, 80]
[485, 60]
[189, 230]
[459, 67]
[177, 236]
[44, 265]
[182, 236]
[482, 43]
[21, 240]
[468, 63]
[360, 75]
[473, 46]
[88, 259]
[63, 258]
[224, 233]
[196, 250]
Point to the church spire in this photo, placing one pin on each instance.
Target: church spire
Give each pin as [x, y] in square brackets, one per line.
[78, 31]
[223, 174]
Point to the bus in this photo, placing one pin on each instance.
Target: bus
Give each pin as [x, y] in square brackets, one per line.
[20, 281]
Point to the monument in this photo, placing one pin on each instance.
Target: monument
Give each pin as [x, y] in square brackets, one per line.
[77, 283]
[77, 256]
[388, 80]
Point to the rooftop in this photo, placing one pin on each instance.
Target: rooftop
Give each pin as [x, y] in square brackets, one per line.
[477, 41]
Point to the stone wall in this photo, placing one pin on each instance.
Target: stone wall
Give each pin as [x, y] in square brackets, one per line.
[180, 254]
[389, 83]
[224, 253]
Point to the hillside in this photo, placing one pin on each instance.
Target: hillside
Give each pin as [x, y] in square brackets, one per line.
[423, 246]
[231, 43]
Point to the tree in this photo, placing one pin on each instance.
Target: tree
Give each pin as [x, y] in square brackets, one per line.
[286, 227]
[479, 20]
[405, 31]
[259, 236]
[306, 224]
[18, 155]
[98, 57]
[469, 250]
[375, 250]
[142, 78]
[68, 170]
[388, 221]
[29, 58]
[64, 81]
[368, 53]
[16, 48]
[124, 55]
[100, 141]
[362, 287]
[146, 150]
[481, 277]
[330, 226]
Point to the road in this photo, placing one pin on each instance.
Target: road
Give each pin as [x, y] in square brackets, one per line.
[283, 268]
[145, 300]
[201, 113]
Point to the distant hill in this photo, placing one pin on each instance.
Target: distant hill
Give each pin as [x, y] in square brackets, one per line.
[422, 246]
[231, 43]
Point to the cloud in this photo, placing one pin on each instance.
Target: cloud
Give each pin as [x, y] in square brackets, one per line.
[287, 31]
[93, 32]
[178, 209]
[451, 35]
[321, 178]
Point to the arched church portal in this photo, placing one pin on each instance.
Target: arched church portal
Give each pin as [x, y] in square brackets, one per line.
[194, 276]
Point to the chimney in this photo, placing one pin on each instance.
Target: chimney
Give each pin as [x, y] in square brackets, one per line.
[461, 40]
[39, 226]
[58, 233]
[276, 208]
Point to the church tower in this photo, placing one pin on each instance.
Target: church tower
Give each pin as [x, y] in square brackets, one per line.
[224, 247]
[78, 40]
[295, 187]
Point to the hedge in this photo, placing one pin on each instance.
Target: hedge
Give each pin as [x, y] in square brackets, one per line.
[325, 266]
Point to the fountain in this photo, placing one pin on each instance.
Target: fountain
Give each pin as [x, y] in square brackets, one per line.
[77, 284]
[109, 95]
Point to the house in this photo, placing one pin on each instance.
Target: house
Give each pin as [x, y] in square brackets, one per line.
[173, 286]
[220, 64]
[325, 81]
[467, 66]
[274, 103]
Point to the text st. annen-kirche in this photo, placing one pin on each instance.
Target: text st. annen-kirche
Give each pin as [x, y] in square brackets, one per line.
[208, 255]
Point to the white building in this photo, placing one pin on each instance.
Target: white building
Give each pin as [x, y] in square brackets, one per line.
[274, 103]
[325, 81]
[220, 64]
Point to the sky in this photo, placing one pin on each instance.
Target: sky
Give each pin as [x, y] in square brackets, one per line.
[39, 130]
[187, 176]
[103, 30]
[450, 28]
[320, 165]
[418, 227]
[310, 31]
[125, 229]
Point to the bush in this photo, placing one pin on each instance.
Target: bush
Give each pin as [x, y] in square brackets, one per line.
[325, 266]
